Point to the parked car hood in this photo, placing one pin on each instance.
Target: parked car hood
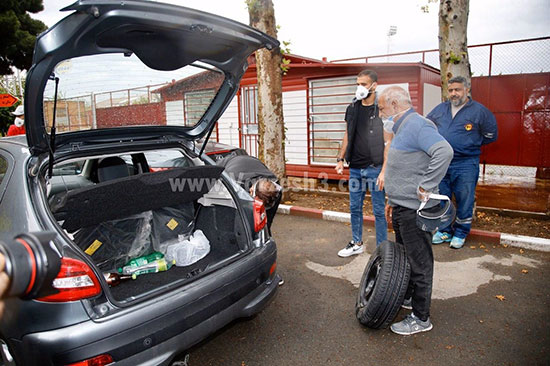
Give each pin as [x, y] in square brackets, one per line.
[164, 37]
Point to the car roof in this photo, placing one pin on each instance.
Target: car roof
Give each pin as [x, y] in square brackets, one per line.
[19, 140]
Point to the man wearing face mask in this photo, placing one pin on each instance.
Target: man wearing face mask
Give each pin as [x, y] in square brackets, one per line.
[363, 147]
[466, 125]
[417, 161]
[18, 128]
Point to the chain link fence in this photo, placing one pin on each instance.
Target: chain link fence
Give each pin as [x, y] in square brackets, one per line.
[120, 98]
[503, 58]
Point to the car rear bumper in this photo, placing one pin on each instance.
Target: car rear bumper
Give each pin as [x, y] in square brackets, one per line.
[157, 340]
[162, 354]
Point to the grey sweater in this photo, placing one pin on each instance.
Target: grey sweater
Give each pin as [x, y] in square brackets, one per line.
[418, 157]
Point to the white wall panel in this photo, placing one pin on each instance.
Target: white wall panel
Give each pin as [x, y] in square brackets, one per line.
[228, 124]
[174, 113]
[295, 117]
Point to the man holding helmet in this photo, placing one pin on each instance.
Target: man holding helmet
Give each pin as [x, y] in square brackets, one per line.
[418, 158]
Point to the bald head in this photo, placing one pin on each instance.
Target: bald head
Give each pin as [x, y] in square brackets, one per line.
[393, 100]
[398, 95]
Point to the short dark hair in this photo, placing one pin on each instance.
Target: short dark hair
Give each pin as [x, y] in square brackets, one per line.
[459, 79]
[370, 73]
[268, 195]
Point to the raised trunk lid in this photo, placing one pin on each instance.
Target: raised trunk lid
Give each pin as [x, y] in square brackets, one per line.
[162, 37]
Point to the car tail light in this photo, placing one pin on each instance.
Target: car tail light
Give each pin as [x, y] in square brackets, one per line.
[100, 360]
[273, 268]
[158, 169]
[218, 152]
[260, 217]
[75, 281]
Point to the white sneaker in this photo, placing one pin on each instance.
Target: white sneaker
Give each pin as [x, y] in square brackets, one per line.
[351, 249]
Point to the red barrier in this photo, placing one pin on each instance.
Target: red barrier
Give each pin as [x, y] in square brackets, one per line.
[521, 104]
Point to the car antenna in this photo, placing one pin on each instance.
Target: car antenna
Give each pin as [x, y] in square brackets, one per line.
[52, 131]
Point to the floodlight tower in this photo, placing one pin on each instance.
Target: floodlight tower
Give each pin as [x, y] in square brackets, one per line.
[391, 32]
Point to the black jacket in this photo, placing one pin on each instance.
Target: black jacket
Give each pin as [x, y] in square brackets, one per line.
[246, 169]
[375, 137]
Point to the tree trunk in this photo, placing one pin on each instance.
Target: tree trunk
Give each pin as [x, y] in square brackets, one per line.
[271, 133]
[453, 44]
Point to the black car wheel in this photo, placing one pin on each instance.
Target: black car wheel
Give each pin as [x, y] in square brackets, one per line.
[383, 286]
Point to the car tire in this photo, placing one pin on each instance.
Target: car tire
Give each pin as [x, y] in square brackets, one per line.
[383, 286]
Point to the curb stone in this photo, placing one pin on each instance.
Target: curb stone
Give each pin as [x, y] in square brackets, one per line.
[520, 241]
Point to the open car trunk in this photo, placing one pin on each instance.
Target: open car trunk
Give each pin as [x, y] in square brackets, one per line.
[119, 218]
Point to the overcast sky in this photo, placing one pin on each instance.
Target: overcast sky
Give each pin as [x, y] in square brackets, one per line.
[356, 28]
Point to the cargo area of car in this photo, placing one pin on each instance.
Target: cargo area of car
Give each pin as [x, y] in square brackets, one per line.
[114, 217]
[226, 235]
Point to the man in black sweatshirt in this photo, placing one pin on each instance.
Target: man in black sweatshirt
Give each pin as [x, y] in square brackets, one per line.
[251, 174]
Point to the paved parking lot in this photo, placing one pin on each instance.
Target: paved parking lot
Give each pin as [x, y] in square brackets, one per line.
[312, 319]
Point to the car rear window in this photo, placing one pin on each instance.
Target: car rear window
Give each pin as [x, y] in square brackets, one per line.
[118, 90]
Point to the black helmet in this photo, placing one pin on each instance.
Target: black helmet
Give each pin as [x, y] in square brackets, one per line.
[437, 217]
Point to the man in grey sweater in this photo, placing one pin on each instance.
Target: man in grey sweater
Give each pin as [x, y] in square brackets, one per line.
[417, 161]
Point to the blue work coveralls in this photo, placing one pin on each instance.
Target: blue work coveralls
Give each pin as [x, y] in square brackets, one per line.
[473, 126]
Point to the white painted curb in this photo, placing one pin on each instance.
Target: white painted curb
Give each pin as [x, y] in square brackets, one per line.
[336, 216]
[284, 209]
[527, 242]
[520, 241]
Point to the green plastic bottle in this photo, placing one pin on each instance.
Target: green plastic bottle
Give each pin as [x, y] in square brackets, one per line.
[140, 261]
[152, 267]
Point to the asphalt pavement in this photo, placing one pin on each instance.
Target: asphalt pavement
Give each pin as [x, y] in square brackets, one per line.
[490, 306]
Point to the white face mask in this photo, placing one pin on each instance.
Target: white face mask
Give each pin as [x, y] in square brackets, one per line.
[362, 92]
[389, 122]
[19, 121]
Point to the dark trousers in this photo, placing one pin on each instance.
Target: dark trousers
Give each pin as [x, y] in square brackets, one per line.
[270, 212]
[418, 246]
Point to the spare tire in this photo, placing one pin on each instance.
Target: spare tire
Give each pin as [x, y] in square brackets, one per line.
[383, 286]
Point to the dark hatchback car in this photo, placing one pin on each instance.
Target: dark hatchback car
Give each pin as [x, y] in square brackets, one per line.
[85, 174]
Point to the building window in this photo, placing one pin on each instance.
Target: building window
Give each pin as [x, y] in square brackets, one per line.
[328, 100]
[249, 119]
[195, 104]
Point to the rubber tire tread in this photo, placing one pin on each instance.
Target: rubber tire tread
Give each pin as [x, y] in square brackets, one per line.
[390, 287]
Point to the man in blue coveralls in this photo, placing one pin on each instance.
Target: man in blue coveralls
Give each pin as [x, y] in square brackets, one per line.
[466, 125]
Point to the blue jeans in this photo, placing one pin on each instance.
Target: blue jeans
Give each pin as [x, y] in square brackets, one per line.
[461, 180]
[359, 181]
